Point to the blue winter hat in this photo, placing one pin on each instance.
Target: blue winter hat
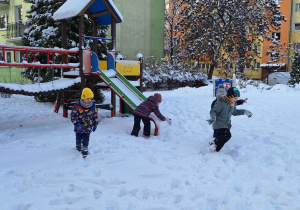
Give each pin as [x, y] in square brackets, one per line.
[233, 92]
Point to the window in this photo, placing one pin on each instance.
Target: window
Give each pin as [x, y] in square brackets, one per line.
[274, 56]
[3, 20]
[7, 57]
[230, 49]
[256, 65]
[297, 26]
[257, 48]
[18, 13]
[204, 65]
[249, 30]
[247, 65]
[297, 7]
[276, 36]
[248, 48]
[20, 56]
[296, 47]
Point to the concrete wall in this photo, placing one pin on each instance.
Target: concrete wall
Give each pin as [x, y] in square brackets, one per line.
[142, 29]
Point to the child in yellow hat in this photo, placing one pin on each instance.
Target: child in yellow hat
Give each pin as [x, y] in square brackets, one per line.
[84, 116]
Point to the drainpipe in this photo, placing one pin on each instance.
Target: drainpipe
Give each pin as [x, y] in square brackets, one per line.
[290, 36]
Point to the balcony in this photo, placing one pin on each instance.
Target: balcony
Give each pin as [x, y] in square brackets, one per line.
[15, 32]
[4, 2]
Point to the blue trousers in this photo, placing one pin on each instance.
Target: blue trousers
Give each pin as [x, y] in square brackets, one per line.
[222, 136]
[83, 139]
[137, 127]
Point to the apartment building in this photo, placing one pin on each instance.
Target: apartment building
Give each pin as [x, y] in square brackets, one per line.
[294, 35]
[270, 59]
[12, 17]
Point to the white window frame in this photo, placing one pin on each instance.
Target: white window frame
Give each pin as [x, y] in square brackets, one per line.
[8, 56]
[249, 30]
[297, 8]
[258, 48]
[256, 65]
[247, 65]
[276, 36]
[298, 27]
[204, 65]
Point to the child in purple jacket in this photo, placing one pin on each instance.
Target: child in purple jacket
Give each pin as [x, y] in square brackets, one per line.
[143, 111]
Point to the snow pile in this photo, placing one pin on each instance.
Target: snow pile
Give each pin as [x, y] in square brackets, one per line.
[257, 169]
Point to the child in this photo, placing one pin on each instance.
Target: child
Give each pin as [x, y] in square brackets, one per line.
[220, 95]
[221, 92]
[220, 117]
[84, 116]
[143, 111]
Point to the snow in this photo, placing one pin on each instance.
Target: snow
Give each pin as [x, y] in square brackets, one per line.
[257, 169]
[47, 86]
[70, 9]
[278, 78]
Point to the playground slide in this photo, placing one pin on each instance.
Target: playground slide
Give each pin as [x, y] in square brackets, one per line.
[127, 92]
[119, 84]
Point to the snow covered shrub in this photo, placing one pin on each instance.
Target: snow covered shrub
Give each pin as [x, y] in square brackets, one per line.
[161, 75]
[295, 71]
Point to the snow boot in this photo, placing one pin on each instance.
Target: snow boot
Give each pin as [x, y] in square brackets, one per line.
[213, 146]
[84, 153]
[78, 147]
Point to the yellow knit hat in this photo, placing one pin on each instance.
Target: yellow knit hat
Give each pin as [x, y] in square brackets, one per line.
[87, 93]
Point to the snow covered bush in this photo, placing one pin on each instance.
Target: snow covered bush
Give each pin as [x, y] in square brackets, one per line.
[161, 75]
[295, 71]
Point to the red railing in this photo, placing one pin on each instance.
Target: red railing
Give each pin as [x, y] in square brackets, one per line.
[34, 50]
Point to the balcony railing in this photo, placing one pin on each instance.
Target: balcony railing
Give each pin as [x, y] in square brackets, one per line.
[15, 31]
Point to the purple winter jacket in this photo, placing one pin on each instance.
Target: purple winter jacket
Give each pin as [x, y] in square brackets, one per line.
[148, 106]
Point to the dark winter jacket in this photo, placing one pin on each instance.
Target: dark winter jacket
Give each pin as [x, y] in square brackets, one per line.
[87, 117]
[148, 106]
[223, 112]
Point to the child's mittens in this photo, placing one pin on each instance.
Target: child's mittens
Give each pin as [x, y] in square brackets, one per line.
[169, 121]
[94, 128]
[79, 128]
[211, 120]
[248, 113]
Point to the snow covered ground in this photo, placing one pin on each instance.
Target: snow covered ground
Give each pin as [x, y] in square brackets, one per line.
[257, 169]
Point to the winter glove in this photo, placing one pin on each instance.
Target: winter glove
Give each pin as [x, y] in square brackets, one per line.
[94, 128]
[211, 120]
[169, 121]
[248, 113]
[79, 128]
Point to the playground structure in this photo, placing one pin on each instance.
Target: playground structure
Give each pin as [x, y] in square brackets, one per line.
[102, 12]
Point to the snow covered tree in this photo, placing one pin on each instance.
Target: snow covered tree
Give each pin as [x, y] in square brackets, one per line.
[43, 31]
[172, 36]
[295, 71]
[219, 30]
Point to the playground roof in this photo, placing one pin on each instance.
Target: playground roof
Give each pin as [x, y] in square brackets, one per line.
[102, 10]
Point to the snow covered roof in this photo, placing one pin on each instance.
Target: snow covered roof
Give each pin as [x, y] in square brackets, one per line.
[102, 10]
[35, 89]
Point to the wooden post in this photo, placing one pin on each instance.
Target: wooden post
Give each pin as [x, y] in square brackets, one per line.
[113, 34]
[95, 41]
[81, 34]
[113, 46]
